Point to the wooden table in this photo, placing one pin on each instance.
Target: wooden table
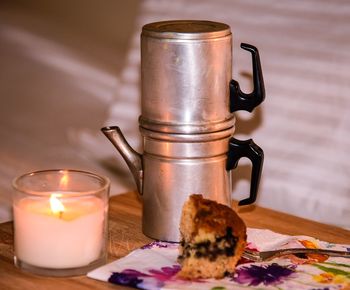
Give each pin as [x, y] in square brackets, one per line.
[125, 235]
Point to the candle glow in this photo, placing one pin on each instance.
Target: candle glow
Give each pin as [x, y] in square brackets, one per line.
[64, 181]
[60, 222]
[61, 236]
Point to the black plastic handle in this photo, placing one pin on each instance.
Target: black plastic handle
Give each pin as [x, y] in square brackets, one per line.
[247, 102]
[247, 148]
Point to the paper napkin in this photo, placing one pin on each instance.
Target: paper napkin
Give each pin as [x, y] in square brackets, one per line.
[154, 266]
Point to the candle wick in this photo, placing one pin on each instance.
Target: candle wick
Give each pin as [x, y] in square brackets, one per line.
[60, 214]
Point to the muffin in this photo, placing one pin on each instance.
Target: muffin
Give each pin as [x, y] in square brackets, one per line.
[213, 238]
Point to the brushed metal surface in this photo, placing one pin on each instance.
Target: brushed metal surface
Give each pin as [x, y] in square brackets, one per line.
[167, 184]
[185, 121]
[185, 77]
[176, 166]
[172, 167]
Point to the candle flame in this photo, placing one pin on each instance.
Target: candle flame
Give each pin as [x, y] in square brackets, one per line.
[57, 206]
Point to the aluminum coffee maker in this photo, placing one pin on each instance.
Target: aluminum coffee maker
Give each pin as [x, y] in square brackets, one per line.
[187, 121]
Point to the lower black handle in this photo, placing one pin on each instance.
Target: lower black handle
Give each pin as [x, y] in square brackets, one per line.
[247, 148]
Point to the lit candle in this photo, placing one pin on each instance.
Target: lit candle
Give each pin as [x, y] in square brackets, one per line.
[59, 232]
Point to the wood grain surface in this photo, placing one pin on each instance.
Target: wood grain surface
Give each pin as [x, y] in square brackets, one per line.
[125, 235]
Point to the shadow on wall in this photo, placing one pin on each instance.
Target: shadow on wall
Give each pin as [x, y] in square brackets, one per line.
[108, 22]
[59, 66]
[58, 53]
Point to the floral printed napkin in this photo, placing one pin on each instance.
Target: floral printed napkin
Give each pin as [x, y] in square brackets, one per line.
[154, 267]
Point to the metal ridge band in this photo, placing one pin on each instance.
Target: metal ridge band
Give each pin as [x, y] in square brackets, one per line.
[199, 137]
[186, 128]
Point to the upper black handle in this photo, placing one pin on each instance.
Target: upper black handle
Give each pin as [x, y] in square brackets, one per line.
[247, 102]
[247, 148]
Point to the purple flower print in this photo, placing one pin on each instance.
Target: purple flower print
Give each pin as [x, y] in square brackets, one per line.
[130, 277]
[272, 274]
[165, 273]
[127, 277]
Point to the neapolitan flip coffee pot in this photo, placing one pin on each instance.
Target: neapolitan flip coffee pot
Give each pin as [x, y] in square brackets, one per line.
[187, 121]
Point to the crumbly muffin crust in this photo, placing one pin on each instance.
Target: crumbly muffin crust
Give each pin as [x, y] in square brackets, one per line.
[213, 239]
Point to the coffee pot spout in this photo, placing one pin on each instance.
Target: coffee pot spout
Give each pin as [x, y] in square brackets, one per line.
[132, 158]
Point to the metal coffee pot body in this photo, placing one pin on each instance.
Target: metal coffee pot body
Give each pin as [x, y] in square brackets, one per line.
[187, 121]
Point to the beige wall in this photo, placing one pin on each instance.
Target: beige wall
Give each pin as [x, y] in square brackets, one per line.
[108, 21]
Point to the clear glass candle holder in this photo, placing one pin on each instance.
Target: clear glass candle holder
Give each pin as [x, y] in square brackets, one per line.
[60, 222]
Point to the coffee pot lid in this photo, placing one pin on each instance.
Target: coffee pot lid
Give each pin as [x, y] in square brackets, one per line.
[186, 29]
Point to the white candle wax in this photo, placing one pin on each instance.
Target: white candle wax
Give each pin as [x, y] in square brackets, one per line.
[68, 239]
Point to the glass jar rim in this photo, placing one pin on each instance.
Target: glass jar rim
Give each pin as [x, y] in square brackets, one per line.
[104, 182]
